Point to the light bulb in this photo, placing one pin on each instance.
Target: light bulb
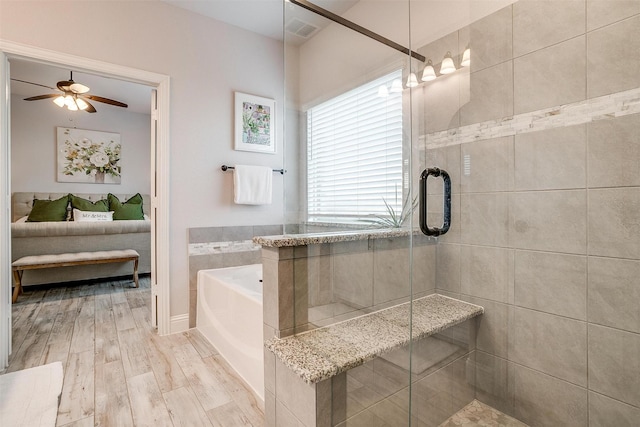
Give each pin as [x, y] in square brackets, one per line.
[72, 107]
[412, 81]
[81, 104]
[383, 92]
[447, 66]
[428, 73]
[59, 101]
[396, 86]
[466, 58]
[68, 101]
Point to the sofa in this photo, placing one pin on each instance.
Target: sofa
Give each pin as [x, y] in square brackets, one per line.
[39, 238]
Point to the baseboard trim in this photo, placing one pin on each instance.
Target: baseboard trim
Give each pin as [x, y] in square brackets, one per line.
[179, 323]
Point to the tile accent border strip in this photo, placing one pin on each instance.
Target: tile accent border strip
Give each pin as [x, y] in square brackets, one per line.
[600, 108]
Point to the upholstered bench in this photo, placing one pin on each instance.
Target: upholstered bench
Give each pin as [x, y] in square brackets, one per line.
[35, 262]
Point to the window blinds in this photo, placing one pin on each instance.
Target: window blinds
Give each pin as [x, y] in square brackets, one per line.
[354, 155]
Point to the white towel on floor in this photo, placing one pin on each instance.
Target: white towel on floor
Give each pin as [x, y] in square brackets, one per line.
[252, 185]
[29, 398]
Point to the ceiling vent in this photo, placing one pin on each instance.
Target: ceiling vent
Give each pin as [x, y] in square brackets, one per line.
[300, 28]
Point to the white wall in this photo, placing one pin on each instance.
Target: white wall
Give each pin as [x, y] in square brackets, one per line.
[207, 61]
[33, 146]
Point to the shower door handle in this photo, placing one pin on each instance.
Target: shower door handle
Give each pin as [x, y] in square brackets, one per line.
[424, 227]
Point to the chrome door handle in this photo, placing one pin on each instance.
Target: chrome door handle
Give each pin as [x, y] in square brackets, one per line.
[424, 227]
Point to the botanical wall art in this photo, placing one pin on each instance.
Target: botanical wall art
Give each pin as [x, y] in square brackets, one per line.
[255, 128]
[88, 156]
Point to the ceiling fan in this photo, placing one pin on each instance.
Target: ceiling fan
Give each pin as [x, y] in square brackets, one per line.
[74, 96]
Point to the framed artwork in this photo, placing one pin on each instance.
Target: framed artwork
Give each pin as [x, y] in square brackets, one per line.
[255, 126]
[88, 156]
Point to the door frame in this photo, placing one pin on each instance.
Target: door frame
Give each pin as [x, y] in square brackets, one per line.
[160, 172]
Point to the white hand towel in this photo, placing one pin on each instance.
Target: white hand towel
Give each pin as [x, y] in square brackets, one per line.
[252, 185]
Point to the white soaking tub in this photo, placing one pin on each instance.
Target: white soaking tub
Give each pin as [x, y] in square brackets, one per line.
[229, 315]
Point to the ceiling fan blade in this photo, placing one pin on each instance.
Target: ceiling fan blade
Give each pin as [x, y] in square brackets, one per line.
[36, 98]
[79, 88]
[35, 84]
[90, 108]
[64, 85]
[106, 101]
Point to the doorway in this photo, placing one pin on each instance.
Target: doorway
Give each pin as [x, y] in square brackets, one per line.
[159, 168]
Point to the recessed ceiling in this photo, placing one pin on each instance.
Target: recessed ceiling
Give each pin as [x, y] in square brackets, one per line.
[137, 96]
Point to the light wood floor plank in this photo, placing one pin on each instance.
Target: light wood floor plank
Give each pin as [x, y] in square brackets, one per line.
[83, 338]
[123, 316]
[29, 354]
[228, 415]
[237, 388]
[164, 364]
[107, 343]
[142, 317]
[133, 353]
[200, 343]
[85, 422]
[112, 396]
[57, 351]
[147, 404]
[185, 409]
[77, 399]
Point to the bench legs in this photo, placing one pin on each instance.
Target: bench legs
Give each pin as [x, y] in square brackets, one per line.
[17, 276]
[135, 271]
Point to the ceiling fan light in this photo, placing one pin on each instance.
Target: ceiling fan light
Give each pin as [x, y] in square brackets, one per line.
[68, 101]
[72, 107]
[81, 104]
[59, 101]
[447, 66]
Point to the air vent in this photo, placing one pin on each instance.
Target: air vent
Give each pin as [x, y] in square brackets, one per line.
[300, 28]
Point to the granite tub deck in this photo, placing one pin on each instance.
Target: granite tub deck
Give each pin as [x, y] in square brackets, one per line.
[323, 353]
[289, 240]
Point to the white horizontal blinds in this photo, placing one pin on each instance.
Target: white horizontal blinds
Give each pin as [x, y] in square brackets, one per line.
[354, 158]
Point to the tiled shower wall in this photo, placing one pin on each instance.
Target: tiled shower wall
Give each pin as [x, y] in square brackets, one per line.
[546, 217]
[219, 247]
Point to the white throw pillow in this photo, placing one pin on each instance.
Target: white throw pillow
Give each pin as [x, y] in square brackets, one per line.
[86, 216]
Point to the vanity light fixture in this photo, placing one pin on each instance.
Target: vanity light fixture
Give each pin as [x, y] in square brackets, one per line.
[396, 86]
[447, 66]
[412, 81]
[466, 58]
[428, 73]
[383, 92]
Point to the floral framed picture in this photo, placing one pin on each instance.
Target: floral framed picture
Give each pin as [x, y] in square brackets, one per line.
[255, 127]
[88, 156]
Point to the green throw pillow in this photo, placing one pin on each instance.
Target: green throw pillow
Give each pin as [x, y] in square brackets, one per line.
[87, 205]
[49, 210]
[131, 209]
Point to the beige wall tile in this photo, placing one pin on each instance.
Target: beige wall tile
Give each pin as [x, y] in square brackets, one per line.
[614, 223]
[605, 412]
[549, 77]
[549, 221]
[424, 268]
[612, 58]
[435, 216]
[614, 293]
[614, 151]
[492, 327]
[487, 95]
[445, 158]
[487, 165]
[614, 363]
[489, 39]
[487, 272]
[391, 279]
[551, 282]
[353, 278]
[297, 396]
[448, 268]
[284, 417]
[538, 24]
[441, 101]
[494, 385]
[484, 219]
[549, 343]
[605, 12]
[269, 409]
[551, 159]
[542, 400]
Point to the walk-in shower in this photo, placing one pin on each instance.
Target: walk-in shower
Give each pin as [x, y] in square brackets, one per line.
[519, 125]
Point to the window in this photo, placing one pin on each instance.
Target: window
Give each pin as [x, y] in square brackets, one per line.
[354, 154]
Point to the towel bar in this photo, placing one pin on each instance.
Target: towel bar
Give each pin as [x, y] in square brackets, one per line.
[225, 168]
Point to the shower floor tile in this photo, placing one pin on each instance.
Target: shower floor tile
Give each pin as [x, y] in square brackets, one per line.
[478, 414]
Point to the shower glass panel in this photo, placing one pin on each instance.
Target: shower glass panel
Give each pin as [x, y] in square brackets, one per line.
[531, 108]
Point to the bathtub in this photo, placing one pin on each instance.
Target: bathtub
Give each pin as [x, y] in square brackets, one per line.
[229, 315]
